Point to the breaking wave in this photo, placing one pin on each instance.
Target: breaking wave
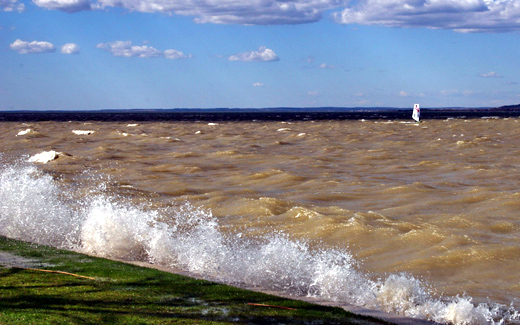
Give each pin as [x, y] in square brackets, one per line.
[36, 207]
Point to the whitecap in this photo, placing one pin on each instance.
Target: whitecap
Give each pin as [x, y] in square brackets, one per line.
[44, 157]
[83, 132]
[24, 132]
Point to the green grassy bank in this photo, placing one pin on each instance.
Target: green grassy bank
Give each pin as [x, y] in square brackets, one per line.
[111, 292]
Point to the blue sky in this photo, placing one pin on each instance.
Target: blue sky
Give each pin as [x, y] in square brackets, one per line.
[119, 54]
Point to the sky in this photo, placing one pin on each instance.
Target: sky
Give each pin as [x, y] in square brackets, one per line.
[130, 54]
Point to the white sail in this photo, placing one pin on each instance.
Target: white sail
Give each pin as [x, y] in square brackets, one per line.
[416, 112]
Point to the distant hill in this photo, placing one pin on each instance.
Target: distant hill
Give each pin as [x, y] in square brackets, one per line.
[507, 108]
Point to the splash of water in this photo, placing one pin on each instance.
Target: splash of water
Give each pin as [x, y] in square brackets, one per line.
[31, 209]
[37, 208]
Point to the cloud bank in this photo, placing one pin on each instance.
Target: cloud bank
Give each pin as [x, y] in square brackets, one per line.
[262, 55]
[253, 12]
[23, 47]
[69, 6]
[126, 49]
[247, 12]
[461, 16]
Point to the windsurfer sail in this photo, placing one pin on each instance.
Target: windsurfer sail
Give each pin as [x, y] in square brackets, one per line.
[416, 112]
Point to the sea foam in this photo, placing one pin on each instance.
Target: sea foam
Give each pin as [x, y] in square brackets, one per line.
[36, 207]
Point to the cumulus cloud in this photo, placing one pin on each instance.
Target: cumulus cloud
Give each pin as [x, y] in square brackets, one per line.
[174, 54]
[69, 6]
[258, 84]
[126, 49]
[70, 48]
[23, 47]
[247, 12]
[11, 5]
[461, 16]
[262, 55]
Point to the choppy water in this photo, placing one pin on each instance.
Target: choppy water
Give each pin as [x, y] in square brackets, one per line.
[417, 219]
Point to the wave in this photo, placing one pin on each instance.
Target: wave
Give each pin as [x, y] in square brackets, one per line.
[39, 208]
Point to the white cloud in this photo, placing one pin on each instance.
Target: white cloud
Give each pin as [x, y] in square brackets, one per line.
[491, 74]
[263, 54]
[462, 16]
[247, 12]
[120, 48]
[459, 15]
[174, 54]
[70, 48]
[403, 94]
[64, 5]
[126, 49]
[23, 47]
[11, 5]
[258, 84]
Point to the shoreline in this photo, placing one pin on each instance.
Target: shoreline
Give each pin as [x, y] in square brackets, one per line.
[247, 115]
[357, 310]
[10, 260]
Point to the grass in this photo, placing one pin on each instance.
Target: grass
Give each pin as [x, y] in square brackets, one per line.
[126, 294]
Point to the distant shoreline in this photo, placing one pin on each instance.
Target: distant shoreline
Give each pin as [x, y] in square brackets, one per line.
[262, 114]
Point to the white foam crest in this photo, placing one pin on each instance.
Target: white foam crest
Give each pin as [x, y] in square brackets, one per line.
[24, 132]
[44, 157]
[83, 132]
[279, 263]
[401, 294]
[112, 230]
[336, 278]
[197, 245]
[36, 208]
[405, 295]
